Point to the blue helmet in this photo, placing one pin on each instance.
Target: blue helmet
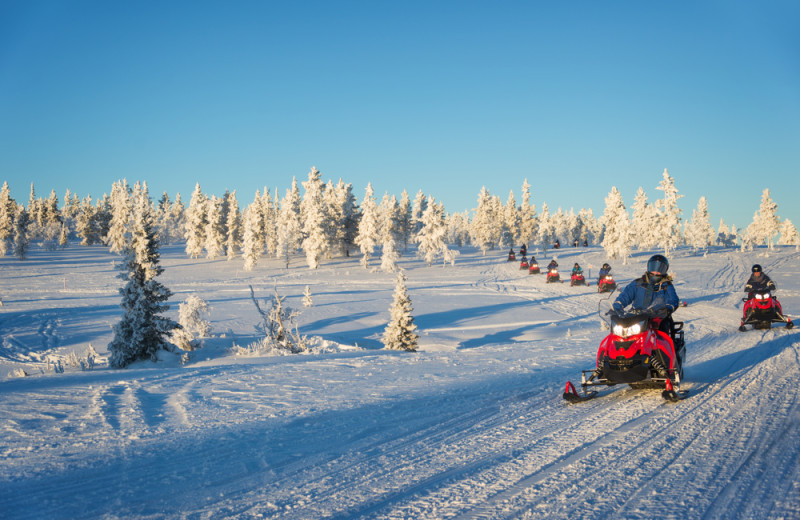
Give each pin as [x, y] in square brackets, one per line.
[658, 264]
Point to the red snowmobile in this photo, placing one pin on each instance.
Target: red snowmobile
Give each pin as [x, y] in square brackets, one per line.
[636, 353]
[511, 256]
[533, 268]
[761, 310]
[524, 263]
[553, 276]
[577, 279]
[606, 283]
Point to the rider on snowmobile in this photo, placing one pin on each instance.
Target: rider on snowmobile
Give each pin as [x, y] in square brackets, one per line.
[653, 291]
[604, 271]
[552, 265]
[576, 269]
[758, 282]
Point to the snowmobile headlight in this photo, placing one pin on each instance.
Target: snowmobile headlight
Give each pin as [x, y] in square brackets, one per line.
[554, 271]
[626, 332]
[762, 296]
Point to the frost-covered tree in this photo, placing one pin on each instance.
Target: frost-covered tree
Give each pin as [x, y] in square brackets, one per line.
[789, 235]
[141, 332]
[405, 219]
[725, 237]
[591, 229]
[252, 236]
[312, 208]
[233, 225]
[417, 209]
[290, 230]
[121, 209]
[457, 225]
[269, 218]
[308, 299]
[400, 332]
[527, 216]
[86, 223]
[389, 212]
[7, 212]
[765, 222]
[369, 228]
[196, 222]
[669, 215]
[546, 232]
[431, 236]
[699, 233]
[617, 238]
[21, 239]
[644, 224]
[192, 324]
[510, 233]
[215, 228]
[346, 209]
[484, 230]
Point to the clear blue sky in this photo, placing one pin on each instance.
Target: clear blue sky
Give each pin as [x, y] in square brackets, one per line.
[446, 97]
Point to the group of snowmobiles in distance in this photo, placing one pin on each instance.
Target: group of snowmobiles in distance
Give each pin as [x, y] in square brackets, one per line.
[605, 281]
[645, 347]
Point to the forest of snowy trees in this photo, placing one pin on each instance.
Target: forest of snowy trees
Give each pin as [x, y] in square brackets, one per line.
[328, 220]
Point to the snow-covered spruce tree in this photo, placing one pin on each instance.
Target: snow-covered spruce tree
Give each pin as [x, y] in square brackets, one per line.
[545, 232]
[511, 221]
[457, 225]
[644, 224]
[405, 219]
[312, 210]
[162, 217]
[7, 211]
[21, 239]
[51, 222]
[290, 230]
[765, 222]
[561, 227]
[389, 214]
[669, 215]
[86, 224]
[417, 209]
[233, 226]
[121, 208]
[215, 228]
[195, 224]
[400, 331]
[141, 332]
[699, 232]
[617, 239]
[527, 216]
[252, 237]
[484, 229]
[269, 222]
[724, 236]
[431, 237]
[789, 235]
[178, 219]
[70, 210]
[193, 326]
[308, 299]
[369, 228]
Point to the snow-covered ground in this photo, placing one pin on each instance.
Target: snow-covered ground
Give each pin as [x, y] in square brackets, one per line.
[470, 427]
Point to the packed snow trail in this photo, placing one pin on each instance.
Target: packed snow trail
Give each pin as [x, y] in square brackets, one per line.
[472, 428]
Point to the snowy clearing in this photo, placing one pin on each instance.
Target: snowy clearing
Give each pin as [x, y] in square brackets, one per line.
[470, 427]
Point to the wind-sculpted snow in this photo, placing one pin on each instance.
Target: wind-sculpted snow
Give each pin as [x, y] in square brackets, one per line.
[470, 427]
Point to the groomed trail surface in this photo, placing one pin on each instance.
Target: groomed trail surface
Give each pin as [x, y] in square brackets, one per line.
[470, 427]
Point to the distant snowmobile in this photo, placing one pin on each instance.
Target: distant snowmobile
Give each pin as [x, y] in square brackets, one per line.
[606, 284]
[524, 263]
[577, 279]
[533, 268]
[761, 310]
[636, 353]
[553, 276]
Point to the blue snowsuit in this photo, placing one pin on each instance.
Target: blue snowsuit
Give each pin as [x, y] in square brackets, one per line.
[645, 295]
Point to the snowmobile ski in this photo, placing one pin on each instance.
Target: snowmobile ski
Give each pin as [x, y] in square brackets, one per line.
[571, 394]
[672, 395]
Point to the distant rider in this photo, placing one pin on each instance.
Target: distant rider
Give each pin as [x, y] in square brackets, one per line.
[604, 271]
[523, 250]
[552, 265]
[576, 269]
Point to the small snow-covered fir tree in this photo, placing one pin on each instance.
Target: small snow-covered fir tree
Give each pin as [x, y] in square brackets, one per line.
[765, 223]
[617, 238]
[432, 234]
[308, 299]
[699, 232]
[141, 332]
[789, 235]
[21, 239]
[669, 215]
[121, 209]
[195, 223]
[484, 229]
[193, 325]
[215, 228]
[369, 228]
[400, 331]
[7, 211]
[315, 243]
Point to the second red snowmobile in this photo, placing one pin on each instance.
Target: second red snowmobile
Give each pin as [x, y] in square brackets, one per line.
[761, 310]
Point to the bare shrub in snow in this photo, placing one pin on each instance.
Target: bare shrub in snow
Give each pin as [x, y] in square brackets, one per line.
[278, 324]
